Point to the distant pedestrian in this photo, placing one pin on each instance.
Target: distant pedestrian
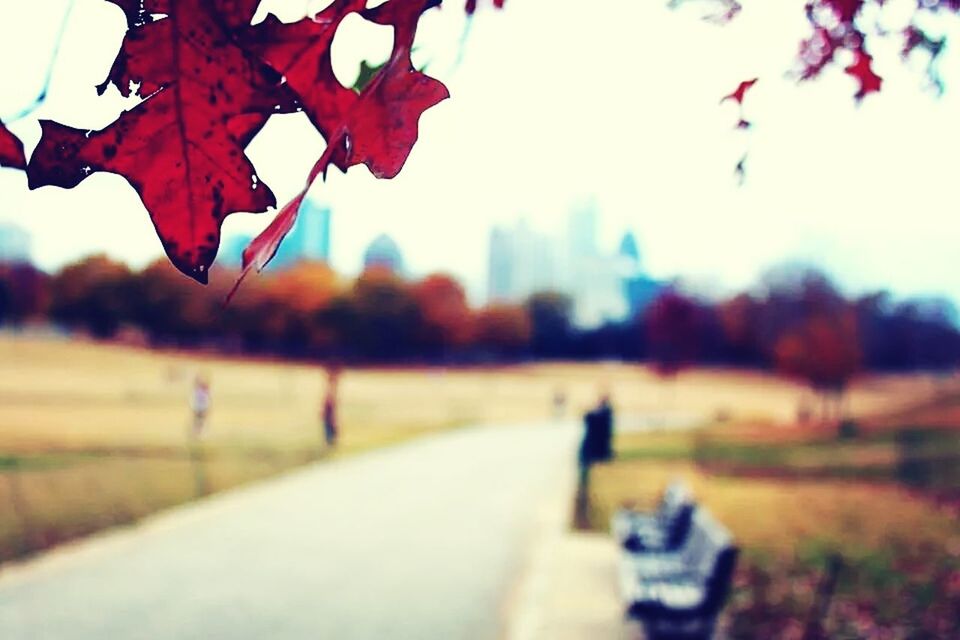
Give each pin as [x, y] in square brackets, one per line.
[200, 405]
[559, 403]
[329, 410]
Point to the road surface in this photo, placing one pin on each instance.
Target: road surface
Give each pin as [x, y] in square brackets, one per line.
[419, 541]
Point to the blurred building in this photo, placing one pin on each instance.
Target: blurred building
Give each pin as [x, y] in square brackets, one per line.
[604, 286]
[14, 244]
[638, 288]
[309, 239]
[231, 250]
[591, 277]
[384, 252]
[500, 265]
[521, 262]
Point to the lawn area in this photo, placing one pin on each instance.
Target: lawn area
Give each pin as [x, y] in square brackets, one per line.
[93, 435]
[794, 498]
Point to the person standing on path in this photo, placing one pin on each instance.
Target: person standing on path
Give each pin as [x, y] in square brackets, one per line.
[596, 446]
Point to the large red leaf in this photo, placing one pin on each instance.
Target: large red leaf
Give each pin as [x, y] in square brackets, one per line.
[377, 127]
[189, 185]
[183, 148]
[11, 150]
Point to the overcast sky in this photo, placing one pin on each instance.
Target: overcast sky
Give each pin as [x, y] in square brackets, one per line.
[554, 102]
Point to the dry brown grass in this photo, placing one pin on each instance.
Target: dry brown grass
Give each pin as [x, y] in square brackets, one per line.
[780, 517]
[79, 395]
[93, 435]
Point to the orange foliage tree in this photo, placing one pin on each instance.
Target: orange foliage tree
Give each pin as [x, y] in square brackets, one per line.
[504, 329]
[824, 351]
[445, 319]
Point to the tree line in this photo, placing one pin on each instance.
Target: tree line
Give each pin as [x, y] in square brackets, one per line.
[794, 320]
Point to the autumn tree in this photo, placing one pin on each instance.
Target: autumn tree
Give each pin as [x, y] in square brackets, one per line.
[504, 330]
[550, 323]
[167, 308]
[738, 318]
[446, 322]
[296, 297]
[385, 316]
[94, 295]
[24, 293]
[675, 327]
[823, 350]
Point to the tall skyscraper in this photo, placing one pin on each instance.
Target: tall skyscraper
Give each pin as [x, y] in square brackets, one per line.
[521, 262]
[638, 288]
[500, 265]
[582, 231]
[590, 275]
[630, 253]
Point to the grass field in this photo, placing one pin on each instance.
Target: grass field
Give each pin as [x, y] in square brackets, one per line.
[795, 497]
[95, 435]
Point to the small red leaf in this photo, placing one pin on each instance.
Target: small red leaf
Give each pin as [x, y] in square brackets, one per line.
[862, 70]
[383, 126]
[471, 5]
[377, 127]
[741, 91]
[301, 53]
[11, 150]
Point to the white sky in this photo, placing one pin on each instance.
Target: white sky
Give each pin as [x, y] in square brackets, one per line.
[552, 103]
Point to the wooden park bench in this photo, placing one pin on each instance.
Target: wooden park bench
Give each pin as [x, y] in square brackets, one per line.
[679, 594]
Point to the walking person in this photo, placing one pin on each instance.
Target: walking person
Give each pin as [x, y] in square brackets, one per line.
[329, 410]
[200, 405]
[559, 403]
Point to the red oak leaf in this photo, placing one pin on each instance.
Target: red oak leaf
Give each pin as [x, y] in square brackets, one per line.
[377, 127]
[11, 150]
[383, 126]
[861, 70]
[188, 184]
[740, 92]
[182, 149]
[844, 10]
[301, 52]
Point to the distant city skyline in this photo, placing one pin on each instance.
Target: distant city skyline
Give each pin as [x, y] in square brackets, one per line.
[604, 281]
[863, 191]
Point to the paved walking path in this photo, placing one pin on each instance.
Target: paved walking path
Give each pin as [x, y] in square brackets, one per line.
[419, 541]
